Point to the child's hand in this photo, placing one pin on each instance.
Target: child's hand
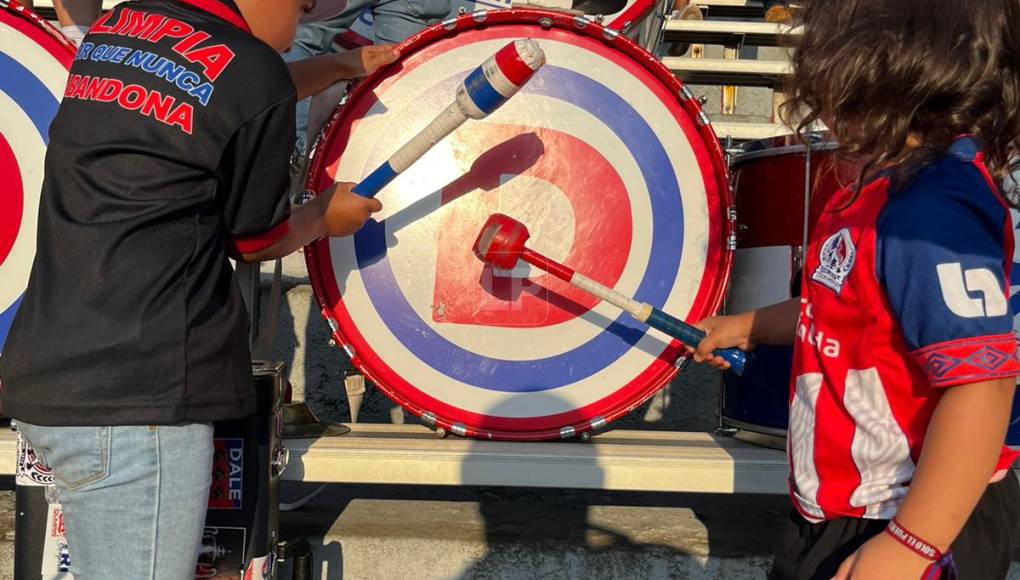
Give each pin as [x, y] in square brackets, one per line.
[365, 60]
[882, 558]
[346, 212]
[723, 332]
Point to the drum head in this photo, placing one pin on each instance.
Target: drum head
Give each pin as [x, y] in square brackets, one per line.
[34, 60]
[601, 155]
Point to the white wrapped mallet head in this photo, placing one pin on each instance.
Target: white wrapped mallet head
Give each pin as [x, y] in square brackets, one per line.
[484, 90]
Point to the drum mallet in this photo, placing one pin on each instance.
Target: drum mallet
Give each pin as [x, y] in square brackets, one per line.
[483, 91]
[501, 243]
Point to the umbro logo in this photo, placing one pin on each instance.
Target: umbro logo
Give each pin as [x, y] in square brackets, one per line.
[958, 286]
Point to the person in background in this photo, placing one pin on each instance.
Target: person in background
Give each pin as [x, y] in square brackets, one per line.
[74, 16]
[392, 22]
[778, 12]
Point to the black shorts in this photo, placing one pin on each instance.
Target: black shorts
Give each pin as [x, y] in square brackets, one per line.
[982, 551]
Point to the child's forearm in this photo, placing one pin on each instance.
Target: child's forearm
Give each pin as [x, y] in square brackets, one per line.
[960, 451]
[305, 225]
[775, 324]
[316, 74]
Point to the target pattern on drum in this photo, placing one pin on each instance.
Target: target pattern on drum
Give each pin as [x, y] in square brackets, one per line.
[33, 72]
[608, 171]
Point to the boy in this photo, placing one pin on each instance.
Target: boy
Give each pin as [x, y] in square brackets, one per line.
[169, 152]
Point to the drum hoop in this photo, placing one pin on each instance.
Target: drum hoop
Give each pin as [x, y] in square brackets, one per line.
[782, 150]
[546, 19]
[630, 16]
[17, 9]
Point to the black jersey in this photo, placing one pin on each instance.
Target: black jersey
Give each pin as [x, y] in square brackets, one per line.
[170, 150]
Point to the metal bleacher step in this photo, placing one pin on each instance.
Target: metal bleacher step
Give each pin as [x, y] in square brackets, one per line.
[749, 131]
[727, 33]
[732, 8]
[669, 461]
[716, 71]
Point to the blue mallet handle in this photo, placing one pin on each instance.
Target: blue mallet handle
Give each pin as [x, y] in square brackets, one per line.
[692, 336]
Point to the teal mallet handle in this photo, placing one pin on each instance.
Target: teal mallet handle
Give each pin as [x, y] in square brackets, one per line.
[692, 336]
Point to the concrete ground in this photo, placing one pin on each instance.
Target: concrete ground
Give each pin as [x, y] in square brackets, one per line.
[396, 533]
[430, 533]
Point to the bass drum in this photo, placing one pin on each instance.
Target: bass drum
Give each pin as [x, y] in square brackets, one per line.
[606, 158]
[34, 60]
[779, 191]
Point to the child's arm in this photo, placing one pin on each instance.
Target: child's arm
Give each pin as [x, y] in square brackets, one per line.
[775, 324]
[314, 75]
[959, 456]
[336, 212]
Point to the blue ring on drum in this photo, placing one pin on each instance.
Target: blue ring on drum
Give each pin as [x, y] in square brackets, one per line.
[617, 338]
[29, 93]
[41, 106]
[6, 320]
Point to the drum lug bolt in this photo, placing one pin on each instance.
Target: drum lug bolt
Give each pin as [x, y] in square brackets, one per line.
[702, 100]
[732, 212]
[586, 436]
[440, 433]
[731, 242]
[479, 15]
[545, 23]
[580, 22]
[428, 419]
[332, 343]
[685, 93]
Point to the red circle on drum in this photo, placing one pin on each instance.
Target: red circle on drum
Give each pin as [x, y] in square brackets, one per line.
[12, 202]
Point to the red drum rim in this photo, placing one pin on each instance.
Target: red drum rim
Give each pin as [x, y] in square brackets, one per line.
[44, 33]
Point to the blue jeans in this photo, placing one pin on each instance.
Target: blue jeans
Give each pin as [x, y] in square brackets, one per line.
[392, 22]
[134, 497]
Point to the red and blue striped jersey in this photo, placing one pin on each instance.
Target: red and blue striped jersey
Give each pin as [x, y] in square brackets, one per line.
[904, 294]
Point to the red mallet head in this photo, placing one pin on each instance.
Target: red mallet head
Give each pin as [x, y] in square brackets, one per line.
[501, 242]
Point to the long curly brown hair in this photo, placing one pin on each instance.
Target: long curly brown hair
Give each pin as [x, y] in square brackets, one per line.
[897, 80]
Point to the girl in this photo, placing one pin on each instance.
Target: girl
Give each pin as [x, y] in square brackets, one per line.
[905, 361]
